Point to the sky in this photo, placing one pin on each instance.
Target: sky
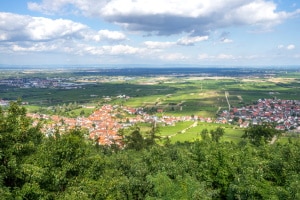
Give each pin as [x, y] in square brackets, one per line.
[152, 32]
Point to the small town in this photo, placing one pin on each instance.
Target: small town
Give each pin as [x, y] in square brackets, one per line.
[285, 113]
[103, 124]
[59, 83]
[63, 83]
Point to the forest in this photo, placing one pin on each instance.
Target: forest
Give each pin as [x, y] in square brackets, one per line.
[70, 166]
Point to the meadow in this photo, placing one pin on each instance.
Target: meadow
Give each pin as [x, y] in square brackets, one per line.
[173, 94]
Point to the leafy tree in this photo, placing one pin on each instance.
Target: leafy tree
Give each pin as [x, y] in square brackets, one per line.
[204, 134]
[258, 134]
[19, 139]
[217, 134]
[82, 113]
[183, 187]
[135, 140]
[152, 135]
[69, 166]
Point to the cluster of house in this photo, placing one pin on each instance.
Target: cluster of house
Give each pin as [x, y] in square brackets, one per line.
[40, 83]
[101, 124]
[4, 102]
[284, 113]
[104, 123]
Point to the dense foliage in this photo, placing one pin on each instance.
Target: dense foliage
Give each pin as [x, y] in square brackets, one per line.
[69, 166]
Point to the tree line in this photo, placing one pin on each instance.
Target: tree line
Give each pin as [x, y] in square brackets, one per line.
[70, 166]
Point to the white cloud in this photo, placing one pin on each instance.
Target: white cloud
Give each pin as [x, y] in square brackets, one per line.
[290, 47]
[191, 40]
[225, 56]
[173, 16]
[173, 57]
[221, 56]
[14, 27]
[185, 41]
[158, 45]
[104, 35]
[26, 28]
[287, 47]
[226, 40]
[111, 50]
[22, 33]
[38, 47]
[121, 50]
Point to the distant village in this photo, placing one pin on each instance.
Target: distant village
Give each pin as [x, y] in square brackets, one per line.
[63, 83]
[284, 113]
[103, 124]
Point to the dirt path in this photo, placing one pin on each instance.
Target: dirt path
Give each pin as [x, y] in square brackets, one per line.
[226, 96]
[183, 131]
[273, 140]
[218, 110]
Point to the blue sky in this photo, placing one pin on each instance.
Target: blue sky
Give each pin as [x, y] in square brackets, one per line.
[197, 32]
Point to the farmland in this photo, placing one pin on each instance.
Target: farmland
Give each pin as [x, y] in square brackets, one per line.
[173, 92]
[178, 94]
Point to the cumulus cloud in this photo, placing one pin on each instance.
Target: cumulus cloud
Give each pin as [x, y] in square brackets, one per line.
[173, 57]
[290, 47]
[158, 45]
[104, 35]
[58, 46]
[287, 47]
[188, 41]
[14, 27]
[226, 40]
[111, 50]
[221, 56]
[166, 17]
[121, 49]
[22, 33]
[185, 41]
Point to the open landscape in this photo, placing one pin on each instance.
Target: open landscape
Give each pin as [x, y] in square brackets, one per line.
[174, 98]
[149, 100]
[119, 135]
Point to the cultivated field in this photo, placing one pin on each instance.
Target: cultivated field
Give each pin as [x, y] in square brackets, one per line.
[173, 94]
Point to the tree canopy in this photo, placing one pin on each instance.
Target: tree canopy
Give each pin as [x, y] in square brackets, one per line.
[69, 166]
[261, 133]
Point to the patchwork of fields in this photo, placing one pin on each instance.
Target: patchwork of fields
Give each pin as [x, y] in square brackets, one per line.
[160, 94]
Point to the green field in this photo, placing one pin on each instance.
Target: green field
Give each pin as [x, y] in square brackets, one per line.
[175, 133]
[182, 97]
[174, 95]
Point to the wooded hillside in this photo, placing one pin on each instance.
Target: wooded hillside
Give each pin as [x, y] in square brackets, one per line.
[69, 166]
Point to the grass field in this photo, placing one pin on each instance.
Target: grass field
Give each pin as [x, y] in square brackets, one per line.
[176, 133]
[199, 97]
[177, 96]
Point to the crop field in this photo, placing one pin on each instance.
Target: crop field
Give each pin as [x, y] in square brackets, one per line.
[174, 95]
[185, 96]
[184, 131]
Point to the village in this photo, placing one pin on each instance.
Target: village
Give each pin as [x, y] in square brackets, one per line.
[103, 124]
[284, 113]
[59, 82]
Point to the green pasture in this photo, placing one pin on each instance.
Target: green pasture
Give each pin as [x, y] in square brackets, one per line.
[176, 96]
[232, 133]
[172, 130]
[76, 112]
